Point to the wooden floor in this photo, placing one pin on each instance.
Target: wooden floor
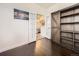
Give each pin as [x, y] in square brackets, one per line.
[43, 47]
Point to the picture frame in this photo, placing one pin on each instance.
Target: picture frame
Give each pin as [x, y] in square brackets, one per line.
[22, 15]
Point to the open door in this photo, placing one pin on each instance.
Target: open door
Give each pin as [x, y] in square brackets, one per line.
[40, 22]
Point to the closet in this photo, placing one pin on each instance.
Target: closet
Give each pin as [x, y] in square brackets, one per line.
[65, 27]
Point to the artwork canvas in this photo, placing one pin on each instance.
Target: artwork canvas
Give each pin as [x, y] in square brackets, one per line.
[19, 14]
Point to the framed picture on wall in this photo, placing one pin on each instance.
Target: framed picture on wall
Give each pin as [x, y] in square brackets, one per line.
[19, 14]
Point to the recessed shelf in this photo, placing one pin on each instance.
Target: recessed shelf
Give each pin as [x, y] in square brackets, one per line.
[66, 37]
[72, 41]
[76, 40]
[76, 22]
[66, 31]
[67, 23]
[74, 14]
[68, 47]
[70, 23]
[76, 32]
[76, 49]
[67, 44]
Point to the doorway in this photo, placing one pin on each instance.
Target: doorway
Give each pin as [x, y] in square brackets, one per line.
[40, 23]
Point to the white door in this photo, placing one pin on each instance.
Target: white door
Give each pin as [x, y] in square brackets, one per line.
[32, 28]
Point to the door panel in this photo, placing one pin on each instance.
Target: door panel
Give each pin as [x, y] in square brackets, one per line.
[56, 27]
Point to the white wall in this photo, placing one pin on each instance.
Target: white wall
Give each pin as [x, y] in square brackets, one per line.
[14, 32]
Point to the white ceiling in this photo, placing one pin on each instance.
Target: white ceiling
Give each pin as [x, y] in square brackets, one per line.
[45, 5]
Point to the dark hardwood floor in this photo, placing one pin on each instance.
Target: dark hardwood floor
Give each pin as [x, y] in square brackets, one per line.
[43, 47]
